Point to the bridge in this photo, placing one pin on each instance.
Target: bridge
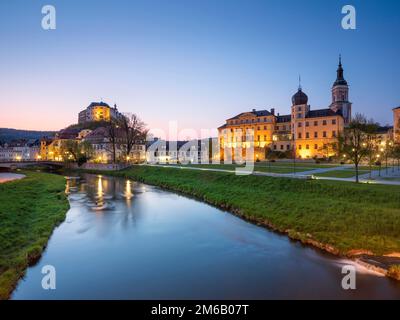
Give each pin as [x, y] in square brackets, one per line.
[12, 165]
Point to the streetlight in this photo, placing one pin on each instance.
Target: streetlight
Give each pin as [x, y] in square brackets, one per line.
[380, 164]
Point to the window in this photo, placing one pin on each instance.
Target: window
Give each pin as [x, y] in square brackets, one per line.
[299, 146]
[258, 138]
[315, 123]
[307, 124]
[334, 121]
[307, 135]
[274, 146]
[299, 135]
[299, 125]
[258, 128]
[299, 109]
[281, 146]
[265, 127]
[307, 146]
[288, 147]
[324, 134]
[315, 134]
[324, 122]
[315, 146]
[265, 138]
[277, 128]
[334, 134]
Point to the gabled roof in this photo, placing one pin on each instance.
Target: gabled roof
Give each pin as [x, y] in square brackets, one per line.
[99, 104]
[261, 113]
[68, 134]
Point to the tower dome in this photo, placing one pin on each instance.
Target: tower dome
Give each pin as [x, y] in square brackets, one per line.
[299, 98]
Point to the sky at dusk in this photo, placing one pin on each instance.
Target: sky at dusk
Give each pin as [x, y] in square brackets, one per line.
[197, 62]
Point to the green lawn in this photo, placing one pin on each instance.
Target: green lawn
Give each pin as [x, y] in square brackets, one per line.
[281, 167]
[347, 173]
[29, 210]
[344, 215]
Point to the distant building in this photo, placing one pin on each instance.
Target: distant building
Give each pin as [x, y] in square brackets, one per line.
[98, 111]
[305, 132]
[396, 124]
[194, 151]
[20, 150]
[103, 147]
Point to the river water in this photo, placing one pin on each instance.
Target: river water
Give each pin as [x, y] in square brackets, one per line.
[126, 240]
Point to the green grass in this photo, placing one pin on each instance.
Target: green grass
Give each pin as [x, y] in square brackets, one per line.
[284, 168]
[29, 210]
[340, 173]
[344, 215]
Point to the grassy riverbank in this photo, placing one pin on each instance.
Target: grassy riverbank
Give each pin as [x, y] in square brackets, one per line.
[29, 210]
[337, 216]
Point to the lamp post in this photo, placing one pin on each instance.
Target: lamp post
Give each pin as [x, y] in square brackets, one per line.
[380, 163]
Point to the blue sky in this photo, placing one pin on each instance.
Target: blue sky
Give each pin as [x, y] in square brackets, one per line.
[197, 62]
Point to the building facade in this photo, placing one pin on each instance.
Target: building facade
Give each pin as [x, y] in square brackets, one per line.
[396, 124]
[304, 133]
[20, 150]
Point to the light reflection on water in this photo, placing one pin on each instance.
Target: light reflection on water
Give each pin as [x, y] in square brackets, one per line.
[126, 240]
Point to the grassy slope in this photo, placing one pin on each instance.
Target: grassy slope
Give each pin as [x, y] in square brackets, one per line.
[29, 210]
[344, 215]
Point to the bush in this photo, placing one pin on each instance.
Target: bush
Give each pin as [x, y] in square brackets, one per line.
[394, 271]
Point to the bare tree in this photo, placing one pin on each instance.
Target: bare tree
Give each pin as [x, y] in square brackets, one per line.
[112, 138]
[134, 130]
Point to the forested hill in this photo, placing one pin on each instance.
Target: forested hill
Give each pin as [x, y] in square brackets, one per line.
[6, 135]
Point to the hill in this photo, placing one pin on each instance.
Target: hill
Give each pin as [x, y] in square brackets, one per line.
[6, 134]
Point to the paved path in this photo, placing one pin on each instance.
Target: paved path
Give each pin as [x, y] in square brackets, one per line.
[303, 175]
[5, 177]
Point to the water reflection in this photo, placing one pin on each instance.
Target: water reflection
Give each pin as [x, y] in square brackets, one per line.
[133, 241]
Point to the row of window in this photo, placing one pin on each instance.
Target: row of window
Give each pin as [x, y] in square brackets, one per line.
[249, 121]
[324, 135]
[316, 123]
[282, 147]
[307, 146]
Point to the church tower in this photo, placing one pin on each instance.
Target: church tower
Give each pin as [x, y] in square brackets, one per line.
[340, 95]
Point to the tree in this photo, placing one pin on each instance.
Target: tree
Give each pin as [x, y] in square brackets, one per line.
[133, 131]
[112, 138]
[396, 154]
[352, 143]
[271, 156]
[370, 143]
[329, 149]
[77, 151]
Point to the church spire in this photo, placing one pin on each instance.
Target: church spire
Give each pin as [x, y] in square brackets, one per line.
[340, 81]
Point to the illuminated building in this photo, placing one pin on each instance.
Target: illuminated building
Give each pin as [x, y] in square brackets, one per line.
[310, 133]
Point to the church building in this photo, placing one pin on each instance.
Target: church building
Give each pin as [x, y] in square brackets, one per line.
[309, 133]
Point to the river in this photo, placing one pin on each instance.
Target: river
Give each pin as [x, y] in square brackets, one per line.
[126, 240]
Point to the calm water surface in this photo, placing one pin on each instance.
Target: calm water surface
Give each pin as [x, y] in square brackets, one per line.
[126, 240]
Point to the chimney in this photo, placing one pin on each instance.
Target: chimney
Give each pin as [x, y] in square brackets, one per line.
[273, 111]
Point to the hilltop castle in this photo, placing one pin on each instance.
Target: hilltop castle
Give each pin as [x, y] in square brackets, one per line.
[98, 111]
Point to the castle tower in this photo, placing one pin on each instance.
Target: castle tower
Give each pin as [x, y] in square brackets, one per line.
[340, 95]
